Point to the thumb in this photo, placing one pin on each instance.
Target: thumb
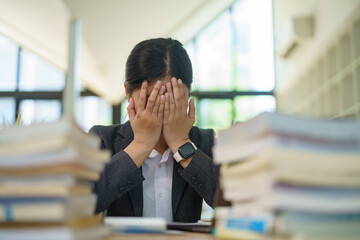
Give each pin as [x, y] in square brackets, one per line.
[131, 110]
[191, 113]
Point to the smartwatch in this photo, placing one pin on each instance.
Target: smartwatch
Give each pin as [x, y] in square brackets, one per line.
[185, 151]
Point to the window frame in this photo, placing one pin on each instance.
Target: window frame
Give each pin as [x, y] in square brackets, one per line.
[213, 95]
[19, 95]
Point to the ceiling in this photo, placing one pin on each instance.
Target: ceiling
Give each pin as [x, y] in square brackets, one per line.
[111, 28]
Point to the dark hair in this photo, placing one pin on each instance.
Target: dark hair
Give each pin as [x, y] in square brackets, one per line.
[156, 58]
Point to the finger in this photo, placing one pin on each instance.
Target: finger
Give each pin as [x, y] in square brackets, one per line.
[191, 113]
[131, 110]
[161, 108]
[176, 92]
[168, 87]
[157, 102]
[184, 101]
[171, 98]
[152, 99]
[172, 104]
[156, 106]
[167, 106]
[142, 96]
[162, 90]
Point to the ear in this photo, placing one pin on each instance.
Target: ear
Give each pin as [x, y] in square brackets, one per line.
[127, 93]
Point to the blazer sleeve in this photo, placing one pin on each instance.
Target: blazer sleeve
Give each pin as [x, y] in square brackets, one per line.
[201, 173]
[119, 176]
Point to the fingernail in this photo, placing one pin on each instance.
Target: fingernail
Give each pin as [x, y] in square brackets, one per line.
[179, 82]
[158, 83]
[173, 80]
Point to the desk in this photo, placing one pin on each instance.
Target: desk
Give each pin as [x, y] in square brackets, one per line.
[185, 236]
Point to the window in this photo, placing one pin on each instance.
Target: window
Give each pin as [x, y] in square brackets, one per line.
[92, 110]
[124, 114]
[212, 46]
[32, 87]
[248, 107]
[8, 62]
[38, 75]
[39, 111]
[233, 65]
[7, 111]
[253, 45]
[215, 114]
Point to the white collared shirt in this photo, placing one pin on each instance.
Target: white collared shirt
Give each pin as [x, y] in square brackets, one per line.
[157, 186]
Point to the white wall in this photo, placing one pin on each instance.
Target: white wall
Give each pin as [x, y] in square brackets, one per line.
[329, 15]
[41, 26]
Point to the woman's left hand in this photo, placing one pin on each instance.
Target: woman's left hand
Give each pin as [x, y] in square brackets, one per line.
[177, 120]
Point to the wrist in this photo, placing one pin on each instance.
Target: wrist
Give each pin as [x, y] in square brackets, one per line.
[138, 152]
[146, 146]
[175, 145]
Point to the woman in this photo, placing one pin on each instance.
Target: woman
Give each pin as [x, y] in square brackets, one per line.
[161, 165]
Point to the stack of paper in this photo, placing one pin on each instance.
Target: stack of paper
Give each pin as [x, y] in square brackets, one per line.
[305, 170]
[46, 172]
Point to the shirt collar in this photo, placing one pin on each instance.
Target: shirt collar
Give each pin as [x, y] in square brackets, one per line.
[167, 155]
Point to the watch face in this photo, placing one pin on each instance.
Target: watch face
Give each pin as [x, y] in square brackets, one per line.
[186, 150]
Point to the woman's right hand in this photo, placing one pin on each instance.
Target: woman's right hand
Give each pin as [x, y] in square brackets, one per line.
[146, 121]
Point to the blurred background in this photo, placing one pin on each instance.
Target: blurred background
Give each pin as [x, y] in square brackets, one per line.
[295, 56]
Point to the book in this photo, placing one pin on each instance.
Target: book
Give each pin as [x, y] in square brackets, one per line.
[43, 143]
[252, 224]
[315, 177]
[93, 160]
[43, 190]
[247, 193]
[264, 204]
[56, 233]
[299, 168]
[304, 172]
[66, 127]
[231, 225]
[65, 179]
[242, 182]
[273, 145]
[46, 174]
[312, 224]
[318, 200]
[267, 123]
[121, 225]
[46, 209]
[56, 170]
[246, 167]
[76, 222]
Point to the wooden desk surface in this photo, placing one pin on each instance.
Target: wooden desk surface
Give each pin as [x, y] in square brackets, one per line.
[184, 236]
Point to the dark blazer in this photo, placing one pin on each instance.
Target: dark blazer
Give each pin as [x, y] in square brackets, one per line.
[120, 189]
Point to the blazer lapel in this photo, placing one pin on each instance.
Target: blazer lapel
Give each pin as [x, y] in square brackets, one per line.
[123, 138]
